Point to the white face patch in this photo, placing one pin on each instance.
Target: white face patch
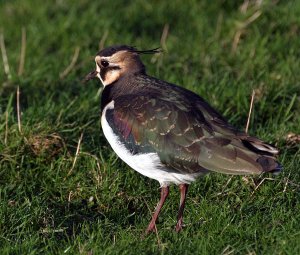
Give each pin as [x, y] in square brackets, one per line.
[97, 60]
[98, 73]
[111, 75]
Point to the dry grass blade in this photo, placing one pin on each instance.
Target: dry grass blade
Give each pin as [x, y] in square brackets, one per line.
[250, 111]
[164, 37]
[249, 181]
[219, 24]
[261, 182]
[228, 250]
[236, 40]
[286, 180]
[251, 19]
[97, 176]
[72, 64]
[258, 3]
[18, 110]
[4, 56]
[103, 39]
[6, 128]
[158, 57]
[244, 6]
[23, 52]
[47, 230]
[76, 155]
[241, 29]
[225, 186]
[286, 183]
[70, 196]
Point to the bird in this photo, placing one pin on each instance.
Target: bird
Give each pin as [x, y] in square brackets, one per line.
[168, 133]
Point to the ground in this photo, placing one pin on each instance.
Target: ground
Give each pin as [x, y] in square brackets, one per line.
[63, 190]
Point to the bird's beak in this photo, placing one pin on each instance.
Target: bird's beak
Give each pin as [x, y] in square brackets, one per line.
[91, 76]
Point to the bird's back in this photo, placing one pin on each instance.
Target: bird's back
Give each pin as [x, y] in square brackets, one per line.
[187, 134]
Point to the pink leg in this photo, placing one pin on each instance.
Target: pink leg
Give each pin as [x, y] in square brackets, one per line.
[183, 190]
[163, 195]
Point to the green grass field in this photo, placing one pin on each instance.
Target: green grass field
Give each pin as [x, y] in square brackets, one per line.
[56, 201]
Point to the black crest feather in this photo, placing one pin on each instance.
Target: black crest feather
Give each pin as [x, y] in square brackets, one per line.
[152, 51]
[113, 49]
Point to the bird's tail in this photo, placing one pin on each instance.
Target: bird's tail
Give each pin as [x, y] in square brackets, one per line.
[277, 170]
[267, 153]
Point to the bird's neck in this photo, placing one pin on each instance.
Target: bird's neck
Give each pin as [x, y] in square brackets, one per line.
[125, 85]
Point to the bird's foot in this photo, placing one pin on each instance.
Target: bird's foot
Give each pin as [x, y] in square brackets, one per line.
[179, 226]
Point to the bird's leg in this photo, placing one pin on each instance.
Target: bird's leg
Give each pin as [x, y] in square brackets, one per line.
[183, 190]
[163, 195]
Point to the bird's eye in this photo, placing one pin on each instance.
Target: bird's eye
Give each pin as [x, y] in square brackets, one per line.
[104, 63]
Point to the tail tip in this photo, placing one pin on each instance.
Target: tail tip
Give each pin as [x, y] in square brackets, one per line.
[277, 169]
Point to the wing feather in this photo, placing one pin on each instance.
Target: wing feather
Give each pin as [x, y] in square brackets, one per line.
[188, 136]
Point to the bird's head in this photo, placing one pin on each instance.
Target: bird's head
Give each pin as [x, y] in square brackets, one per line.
[115, 61]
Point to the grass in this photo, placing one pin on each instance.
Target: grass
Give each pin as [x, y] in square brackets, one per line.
[222, 50]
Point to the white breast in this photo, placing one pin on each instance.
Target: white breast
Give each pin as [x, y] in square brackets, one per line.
[147, 164]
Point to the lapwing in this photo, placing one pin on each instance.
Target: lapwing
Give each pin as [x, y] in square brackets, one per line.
[168, 133]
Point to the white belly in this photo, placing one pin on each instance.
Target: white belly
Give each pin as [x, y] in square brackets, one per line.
[147, 164]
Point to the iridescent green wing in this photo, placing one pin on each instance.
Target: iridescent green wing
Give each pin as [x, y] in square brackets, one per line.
[188, 137]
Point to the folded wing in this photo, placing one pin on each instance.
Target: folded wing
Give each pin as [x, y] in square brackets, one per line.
[188, 137]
